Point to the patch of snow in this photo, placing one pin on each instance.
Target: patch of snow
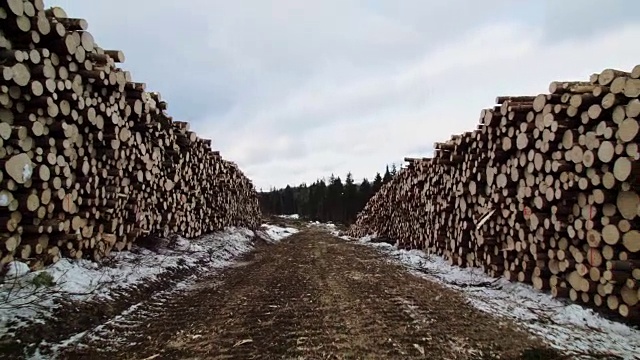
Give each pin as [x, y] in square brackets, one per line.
[330, 227]
[25, 298]
[276, 233]
[27, 171]
[568, 327]
[292, 216]
[220, 250]
[16, 269]
[55, 348]
[4, 200]
[77, 339]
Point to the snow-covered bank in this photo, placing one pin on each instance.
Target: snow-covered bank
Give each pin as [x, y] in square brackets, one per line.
[330, 227]
[568, 327]
[32, 296]
[276, 233]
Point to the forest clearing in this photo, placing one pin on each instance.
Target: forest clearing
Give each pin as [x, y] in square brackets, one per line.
[126, 235]
[309, 293]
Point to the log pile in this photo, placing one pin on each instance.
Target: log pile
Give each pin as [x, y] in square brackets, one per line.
[90, 161]
[544, 191]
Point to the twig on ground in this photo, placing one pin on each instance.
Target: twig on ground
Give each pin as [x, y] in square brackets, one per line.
[482, 284]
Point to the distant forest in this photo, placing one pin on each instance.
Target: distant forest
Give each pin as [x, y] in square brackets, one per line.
[325, 200]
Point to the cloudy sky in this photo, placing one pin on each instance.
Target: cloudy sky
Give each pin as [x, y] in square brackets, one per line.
[293, 90]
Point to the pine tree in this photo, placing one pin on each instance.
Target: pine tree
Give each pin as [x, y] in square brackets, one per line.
[387, 176]
[334, 200]
[364, 194]
[324, 200]
[350, 199]
[276, 201]
[288, 202]
[377, 183]
[302, 199]
[321, 213]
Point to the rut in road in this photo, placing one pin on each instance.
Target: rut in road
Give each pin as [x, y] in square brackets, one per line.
[312, 296]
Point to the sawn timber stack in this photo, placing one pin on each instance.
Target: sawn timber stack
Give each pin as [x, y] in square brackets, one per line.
[544, 191]
[90, 160]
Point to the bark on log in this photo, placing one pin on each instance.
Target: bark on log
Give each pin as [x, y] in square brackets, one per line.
[90, 161]
[561, 170]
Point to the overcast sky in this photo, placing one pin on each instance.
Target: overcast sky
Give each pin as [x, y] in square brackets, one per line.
[295, 90]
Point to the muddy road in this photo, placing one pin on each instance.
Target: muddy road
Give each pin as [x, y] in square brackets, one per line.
[311, 296]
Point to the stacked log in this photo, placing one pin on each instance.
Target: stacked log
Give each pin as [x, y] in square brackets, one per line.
[544, 191]
[90, 160]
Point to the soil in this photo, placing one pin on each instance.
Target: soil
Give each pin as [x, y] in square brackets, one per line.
[311, 296]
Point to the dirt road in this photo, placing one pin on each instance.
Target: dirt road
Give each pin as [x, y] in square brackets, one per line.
[311, 296]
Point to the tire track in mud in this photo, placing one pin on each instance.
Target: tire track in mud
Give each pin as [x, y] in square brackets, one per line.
[311, 296]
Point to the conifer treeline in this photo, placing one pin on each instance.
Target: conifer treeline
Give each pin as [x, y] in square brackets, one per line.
[332, 199]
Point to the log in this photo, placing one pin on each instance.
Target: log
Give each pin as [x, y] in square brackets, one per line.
[562, 173]
[19, 168]
[90, 160]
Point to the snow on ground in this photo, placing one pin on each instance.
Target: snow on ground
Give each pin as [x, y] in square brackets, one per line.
[276, 233]
[293, 216]
[565, 326]
[330, 227]
[29, 296]
[16, 269]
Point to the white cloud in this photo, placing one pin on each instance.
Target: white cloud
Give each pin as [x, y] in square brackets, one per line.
[293, 91]
[454, 83]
